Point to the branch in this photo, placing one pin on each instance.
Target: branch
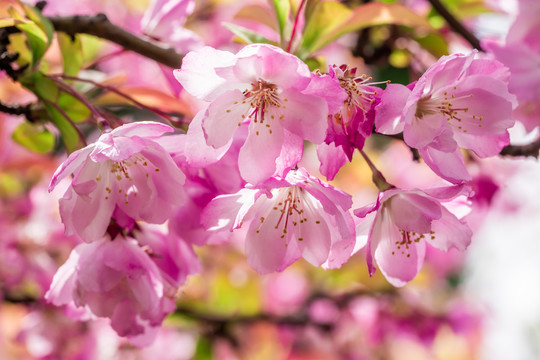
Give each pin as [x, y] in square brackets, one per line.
[455, 24]
[100, 26]
[532, 149]
[219, 324]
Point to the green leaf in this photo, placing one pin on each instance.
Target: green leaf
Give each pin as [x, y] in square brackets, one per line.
[333, 21]
[246, 35]
[38, 30]
[70, 136]
[256, 13]
[34, 137]
[75, 108]
[326, 17]
[283, 9]
[90, 47]
[203, 351]
[35, 15]
[433, 43]
[311, 6]
[395, 75]
[42, 86]
[51, 97]
[18, 44]
[72, 55]
[7, 22]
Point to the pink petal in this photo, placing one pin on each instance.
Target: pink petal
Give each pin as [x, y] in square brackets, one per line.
[291, 153]
[224, 116]
[399, 266]
[63, 283]
[328, 88]
[120, 148]
[70, 165]
[198, 153]
[276, 66]
[483, 145]
[162, 15]
[313, 235]
[266, 250]
[198, 76]
[257, 158]
[488, 104]
[449, 232]
[304, 115]
[332, 158]
[89, 228]
[421, 132]
[388, 119]
[449, 166]
[413, 212]
[142, 129]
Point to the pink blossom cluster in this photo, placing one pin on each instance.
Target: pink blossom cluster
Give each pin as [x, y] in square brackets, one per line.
[238, 167]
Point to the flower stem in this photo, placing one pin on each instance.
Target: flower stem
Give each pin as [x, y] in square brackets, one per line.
[376, 176]
[296, 19]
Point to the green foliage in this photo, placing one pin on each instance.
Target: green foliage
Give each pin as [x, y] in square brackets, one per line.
[433, 43]
[246, 35]
[77, 111]
[72, 55]
[38, 30]
[34, 137]
[283, 10]
[330, 20]
[394, 74]
[326, 17]
[49, 94]
[203, 351]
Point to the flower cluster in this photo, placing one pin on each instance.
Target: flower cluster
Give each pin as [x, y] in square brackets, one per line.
[237, 167]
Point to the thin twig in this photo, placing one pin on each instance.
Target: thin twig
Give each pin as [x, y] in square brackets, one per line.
[296, 20]
[532, 149]
[455, 24]
[100, 26]
[120, 93]
[17, 110]
[73, 92]
[65, 115]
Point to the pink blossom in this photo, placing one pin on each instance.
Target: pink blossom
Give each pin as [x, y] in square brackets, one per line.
[460, 101]
[124, 169]
[174, 257]
[115, 279]
[348, 127]
[268, 89]
[164, 20]
[292, 217]
[521, 54]
[401, 222]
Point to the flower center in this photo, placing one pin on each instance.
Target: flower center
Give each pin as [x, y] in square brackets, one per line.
[359, 91]
[445, 105]
[407, 239]
[263, 105]
[290, 207]
[124, 172]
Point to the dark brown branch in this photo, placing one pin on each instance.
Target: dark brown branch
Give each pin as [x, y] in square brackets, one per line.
[531, 149]
[455, 24]
[27, 110]
[100, 26]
